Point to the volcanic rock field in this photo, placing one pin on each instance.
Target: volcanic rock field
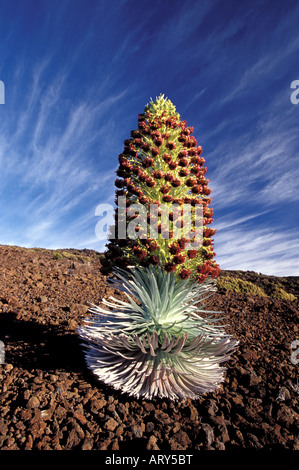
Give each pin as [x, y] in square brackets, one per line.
[50, 401]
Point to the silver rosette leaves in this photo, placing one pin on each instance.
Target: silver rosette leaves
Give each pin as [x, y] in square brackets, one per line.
[161, 342]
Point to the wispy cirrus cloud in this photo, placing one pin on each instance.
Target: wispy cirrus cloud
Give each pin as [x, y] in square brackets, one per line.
[51, 173]
[260, 250]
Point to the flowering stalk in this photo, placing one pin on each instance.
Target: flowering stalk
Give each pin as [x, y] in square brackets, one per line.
[161, 164]
[162, 342]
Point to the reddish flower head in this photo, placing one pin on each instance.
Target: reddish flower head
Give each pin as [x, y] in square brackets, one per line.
[175, 249]
[176, 183]
[165, 189]
[157, 174]
[196, 189]
[144, 200]
[172, 165]
[185, 273]
[153, 245]
[183, 154]
[167, 158]
[170, 145]
[195, 170]
[147, 162]
[192, 254]
[168, 177]
[167, 198]
[184, 172]
[184, 162]
[150, 182]
[169, 267]
[197, 160]
[145, 146]
[158, 142]
[190, 182]
[206, 190]
[119, 183]
[153, 259]
[179, 259]
[137, 171]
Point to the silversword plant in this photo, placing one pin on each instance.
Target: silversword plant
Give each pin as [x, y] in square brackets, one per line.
[162, 341]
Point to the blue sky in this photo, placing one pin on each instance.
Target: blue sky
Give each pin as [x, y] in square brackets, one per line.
[78, 72]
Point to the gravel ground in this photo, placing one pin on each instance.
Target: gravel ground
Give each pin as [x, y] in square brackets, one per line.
[50, 401]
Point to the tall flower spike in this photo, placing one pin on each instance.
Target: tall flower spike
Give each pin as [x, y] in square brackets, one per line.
[162, 342]
[162, 164]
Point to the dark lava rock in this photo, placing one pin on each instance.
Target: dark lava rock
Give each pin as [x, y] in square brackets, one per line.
[50, 401]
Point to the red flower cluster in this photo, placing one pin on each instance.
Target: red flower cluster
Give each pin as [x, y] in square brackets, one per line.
[185, 273]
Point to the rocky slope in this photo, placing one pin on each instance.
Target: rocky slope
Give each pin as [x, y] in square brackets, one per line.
[49, 400]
